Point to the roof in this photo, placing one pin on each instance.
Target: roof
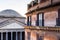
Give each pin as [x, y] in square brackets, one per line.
[10, 13]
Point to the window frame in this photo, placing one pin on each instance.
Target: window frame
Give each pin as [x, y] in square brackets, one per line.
[38, 19]
[29, 21]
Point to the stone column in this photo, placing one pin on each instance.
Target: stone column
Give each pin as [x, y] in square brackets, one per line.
[16, 36]
[6, 35]
[20, 35]
[1, 35]
[11, 35]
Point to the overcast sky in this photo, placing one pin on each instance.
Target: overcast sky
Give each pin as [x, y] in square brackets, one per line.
[18, 5]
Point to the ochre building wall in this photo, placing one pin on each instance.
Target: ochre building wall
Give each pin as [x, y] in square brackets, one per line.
[46, 35]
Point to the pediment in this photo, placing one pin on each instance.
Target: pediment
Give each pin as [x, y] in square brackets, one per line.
[8, 22]
[12, 26]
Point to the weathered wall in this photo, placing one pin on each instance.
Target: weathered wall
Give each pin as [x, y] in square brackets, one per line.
[32, 34]
[46, 35]
[50, 18]
[50, 36]
[34, 18]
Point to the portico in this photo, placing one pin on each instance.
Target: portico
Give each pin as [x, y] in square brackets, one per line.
[11, 34]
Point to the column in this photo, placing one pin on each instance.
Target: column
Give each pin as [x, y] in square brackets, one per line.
[6, 35]
[11, 35]
[1, 35]
[16, 36]
[20, 35]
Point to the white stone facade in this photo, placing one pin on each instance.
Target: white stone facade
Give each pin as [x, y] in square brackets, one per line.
[11, 25]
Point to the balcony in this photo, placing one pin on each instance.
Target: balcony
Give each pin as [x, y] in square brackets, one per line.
[54, 29]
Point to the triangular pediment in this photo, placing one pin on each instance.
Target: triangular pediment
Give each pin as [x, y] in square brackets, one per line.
[8, 22]
[12, 26]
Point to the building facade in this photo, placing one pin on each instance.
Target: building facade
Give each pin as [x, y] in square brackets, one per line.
[43, 20]
[11, 25]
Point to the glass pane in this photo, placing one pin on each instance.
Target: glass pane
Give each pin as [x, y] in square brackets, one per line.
[40, 19]
[40, 16]
[40, 22]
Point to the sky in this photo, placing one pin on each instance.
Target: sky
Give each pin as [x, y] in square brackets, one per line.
[18, 5]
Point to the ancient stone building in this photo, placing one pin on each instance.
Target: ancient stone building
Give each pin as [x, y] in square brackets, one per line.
[11, 25]
[43, 20]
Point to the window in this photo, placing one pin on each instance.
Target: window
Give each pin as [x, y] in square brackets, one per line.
[28, 35]
[36, 0]
[39, 37]
[43, 1]
[58, 19]
[29, 21]
[58, 22]
[40, 19]
[29, 6]
[39, 1]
